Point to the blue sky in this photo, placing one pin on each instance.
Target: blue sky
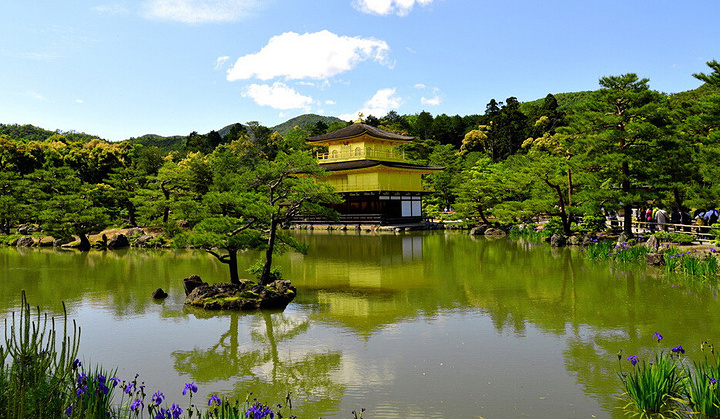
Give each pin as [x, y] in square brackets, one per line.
[124, 68]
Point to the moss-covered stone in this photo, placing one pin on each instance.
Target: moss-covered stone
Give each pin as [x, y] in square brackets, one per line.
[247, 295]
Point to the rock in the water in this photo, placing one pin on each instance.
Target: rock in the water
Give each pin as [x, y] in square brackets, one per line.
[244, 296]
[574, 241]
[62, 242]
[654, 259]
[494, 232]
[46, 241]
[144, 241]
[557, 240]
[479, 230]
[623, 238]
[118, 241]
[652, 244]
[159, 294]
[28, 229]
[25, 242]
[192, 282]
[134, 232]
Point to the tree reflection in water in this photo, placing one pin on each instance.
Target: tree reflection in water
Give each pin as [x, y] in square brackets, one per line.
[265, 363]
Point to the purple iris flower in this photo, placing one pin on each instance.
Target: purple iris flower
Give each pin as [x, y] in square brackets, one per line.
[81, 378]
[129, 388]
[214, 399]
[175, 411]
[633, 359]
[190, 387]
[657, 336]
[259, 411]
[158, 398]
[678, 349]
[137, 405]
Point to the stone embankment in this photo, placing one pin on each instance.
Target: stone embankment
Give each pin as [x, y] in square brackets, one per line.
[29, 235]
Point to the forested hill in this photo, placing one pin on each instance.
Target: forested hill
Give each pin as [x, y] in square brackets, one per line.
[311, 122]
[32, 133]
[305, 120]
[565, 101]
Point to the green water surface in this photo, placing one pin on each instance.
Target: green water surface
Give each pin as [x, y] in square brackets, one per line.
[426, 325]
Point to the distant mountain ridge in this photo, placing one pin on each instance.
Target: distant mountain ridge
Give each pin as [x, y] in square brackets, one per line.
[177, 142]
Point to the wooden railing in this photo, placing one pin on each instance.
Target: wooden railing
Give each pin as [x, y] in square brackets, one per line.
[384, 155]
[380, 219]
[646, 227]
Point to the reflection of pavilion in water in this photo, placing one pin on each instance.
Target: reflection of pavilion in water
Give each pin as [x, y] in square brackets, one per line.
[361, 280]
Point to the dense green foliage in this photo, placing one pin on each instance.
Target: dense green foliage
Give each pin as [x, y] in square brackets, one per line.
[569, 156]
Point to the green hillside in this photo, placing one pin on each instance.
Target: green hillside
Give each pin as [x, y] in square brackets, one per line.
[28, 132]
[167, 144]
[303, 120]
[565, 101]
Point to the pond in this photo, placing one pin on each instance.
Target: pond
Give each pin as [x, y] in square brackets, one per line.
[432, 324]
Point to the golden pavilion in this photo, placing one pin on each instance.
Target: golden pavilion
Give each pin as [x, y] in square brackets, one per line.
[366, 167]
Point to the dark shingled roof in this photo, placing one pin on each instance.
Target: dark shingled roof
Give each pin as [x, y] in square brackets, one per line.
[362, 164]
[357, 129]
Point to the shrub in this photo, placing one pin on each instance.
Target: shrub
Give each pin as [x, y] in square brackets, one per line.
[592, 224]
[674, 237]
[715, 232]
[554, 226]
[257, 269]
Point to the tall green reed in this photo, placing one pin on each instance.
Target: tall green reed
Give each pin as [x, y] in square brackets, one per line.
[36, 364]
[619, 252]
[690, 264]
[702, 388]
[655, 387]
[665, 387]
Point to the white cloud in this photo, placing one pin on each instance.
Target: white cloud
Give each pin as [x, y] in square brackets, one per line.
[37, 96]
[111, 9]
[420, 86]
[384, 101]
[221, 61]
[278, 96]
[330, 102]
[79, 101]
[318, 55]
[433, 101]
[387, 7]
[199, 11]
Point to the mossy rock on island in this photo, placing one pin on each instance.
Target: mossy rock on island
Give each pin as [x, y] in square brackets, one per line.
[246, 295]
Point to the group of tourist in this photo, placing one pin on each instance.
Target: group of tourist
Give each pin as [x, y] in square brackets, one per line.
[661, 216]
